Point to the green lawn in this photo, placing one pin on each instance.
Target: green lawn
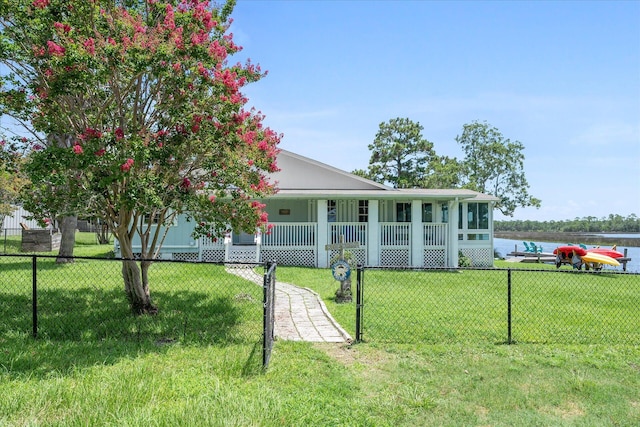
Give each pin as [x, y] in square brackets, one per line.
[55, 381]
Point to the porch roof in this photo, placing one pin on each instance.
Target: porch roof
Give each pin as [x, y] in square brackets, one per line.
[304, 178]
[394, 194]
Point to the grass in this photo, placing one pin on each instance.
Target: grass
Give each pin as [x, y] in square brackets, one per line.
[54, 381]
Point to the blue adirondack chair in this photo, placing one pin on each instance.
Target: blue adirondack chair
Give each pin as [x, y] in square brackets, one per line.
[535, 248]
[527, 248]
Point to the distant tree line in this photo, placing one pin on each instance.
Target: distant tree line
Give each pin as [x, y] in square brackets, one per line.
[611, 224]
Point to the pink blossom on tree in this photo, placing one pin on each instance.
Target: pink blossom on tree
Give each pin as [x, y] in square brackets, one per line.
[55, 49]
[126, 166]
[40, 4]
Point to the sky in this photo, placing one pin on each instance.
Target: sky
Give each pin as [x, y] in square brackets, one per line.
[561, 77]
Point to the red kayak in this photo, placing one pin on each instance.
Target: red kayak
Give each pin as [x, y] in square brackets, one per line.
[608, 252]
[568, 251]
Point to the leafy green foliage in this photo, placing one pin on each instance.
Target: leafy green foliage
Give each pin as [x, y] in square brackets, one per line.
[445, 173]
[11, 178]
[495, 165]
[399, 154]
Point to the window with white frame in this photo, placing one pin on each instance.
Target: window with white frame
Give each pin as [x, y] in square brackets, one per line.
[427, 212]
[444, 212]
[403, 212]
[363, 210]
[478, 216]
[332, 211]
[148, 219]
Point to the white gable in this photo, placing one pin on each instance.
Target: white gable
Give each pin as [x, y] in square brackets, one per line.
[302, 173]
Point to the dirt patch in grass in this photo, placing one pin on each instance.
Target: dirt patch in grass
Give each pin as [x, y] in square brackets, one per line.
[343, 353]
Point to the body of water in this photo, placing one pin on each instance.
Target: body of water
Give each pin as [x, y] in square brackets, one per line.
[505, 246]
[631, 235]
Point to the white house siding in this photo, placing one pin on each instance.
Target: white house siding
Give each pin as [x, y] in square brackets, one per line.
[290, 211]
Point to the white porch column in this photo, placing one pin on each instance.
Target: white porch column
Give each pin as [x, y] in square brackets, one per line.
[453, 233]
[322, 234]
[373, 234]
[227, 246]
[417, 257]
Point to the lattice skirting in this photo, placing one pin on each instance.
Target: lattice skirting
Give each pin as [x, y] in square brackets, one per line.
[480, 257]
[434, 258]
[395, 257]
[360, 255]
[297, 257]
[242, 255]
[185, 256]
[213, 255]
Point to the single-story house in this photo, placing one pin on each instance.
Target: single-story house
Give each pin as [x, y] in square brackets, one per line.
[317, 203]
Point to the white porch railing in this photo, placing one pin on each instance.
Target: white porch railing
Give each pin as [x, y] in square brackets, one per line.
[209, 242]
[395, 234]
[297, 243]
[352, 232]
[434, 234]
[291, 234]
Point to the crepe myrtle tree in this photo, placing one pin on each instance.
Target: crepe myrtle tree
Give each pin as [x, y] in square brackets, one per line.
[155, 116]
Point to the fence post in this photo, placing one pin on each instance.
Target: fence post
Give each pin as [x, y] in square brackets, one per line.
[265, 314]
[268, 311]
[509, 306]
[360, 277]
[34, 296]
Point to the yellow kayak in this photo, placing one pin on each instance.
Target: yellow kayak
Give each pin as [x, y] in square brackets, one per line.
[599, 259]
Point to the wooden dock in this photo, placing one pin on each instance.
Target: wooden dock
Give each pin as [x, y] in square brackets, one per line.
[530, 257]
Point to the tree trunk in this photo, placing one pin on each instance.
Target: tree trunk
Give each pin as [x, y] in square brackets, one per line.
[102, 232]
[136, 287]
[136, 278]
[68, 225]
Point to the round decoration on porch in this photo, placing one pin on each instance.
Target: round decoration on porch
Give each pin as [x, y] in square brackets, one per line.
[341, 270]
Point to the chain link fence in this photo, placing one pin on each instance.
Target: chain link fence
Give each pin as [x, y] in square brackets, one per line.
[85, 300]
[497, 305]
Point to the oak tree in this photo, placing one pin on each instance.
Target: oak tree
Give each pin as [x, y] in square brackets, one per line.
[494, 165]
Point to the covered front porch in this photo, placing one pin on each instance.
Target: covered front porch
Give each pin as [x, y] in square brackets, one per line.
[391, 244]
[388, 233]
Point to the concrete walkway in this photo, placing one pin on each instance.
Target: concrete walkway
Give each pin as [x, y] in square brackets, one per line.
[300, 313]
